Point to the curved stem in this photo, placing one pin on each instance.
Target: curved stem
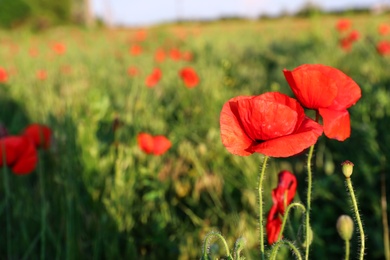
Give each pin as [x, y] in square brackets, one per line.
[260, 190]
[281, 242]
[308, 202]
[346, 249]
[205, 244]
[285, 217]
[357, 215]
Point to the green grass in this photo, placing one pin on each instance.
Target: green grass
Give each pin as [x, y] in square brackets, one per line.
[106, 199]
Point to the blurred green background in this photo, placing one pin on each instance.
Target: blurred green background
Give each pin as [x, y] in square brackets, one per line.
[106, 199]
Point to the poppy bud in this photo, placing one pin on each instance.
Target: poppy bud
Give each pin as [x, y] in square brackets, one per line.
[347, 168]
[345, 227]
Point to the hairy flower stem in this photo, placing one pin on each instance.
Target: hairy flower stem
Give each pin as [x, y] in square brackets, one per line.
[277, 245]
[357, 215]
[7, 198]
[43, 205]
[285, 217]
[347, 249]
[260, 190]
[205, 244]
[308, 202]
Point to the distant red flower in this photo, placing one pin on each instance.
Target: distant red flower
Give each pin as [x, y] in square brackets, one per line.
[3, 75]
[175, 54]
[328, 91]
[272, 124]
[384, 29]
[159, 56]
[189, 76]
[346, 44]
[41, 74]
[282, 196]
[59, 48]
[383, 48]
[343, 25]
[40, 135]
[141, 35]
[132, 71]
[156, 145]
[187, 56]
[33, 52]
[153, 78]
[135, 50]
[20, 154]
[354, 36]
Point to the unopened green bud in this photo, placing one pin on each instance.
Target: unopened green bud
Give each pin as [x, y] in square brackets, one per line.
[310, 238]
[347, 168]
[345, 227]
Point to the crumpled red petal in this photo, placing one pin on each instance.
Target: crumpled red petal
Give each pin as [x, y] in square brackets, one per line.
[27, 159]
[146, 142]
[273, 226]
[313, 85]
[336, 123]
[284, 193]
[161, 144]
[289, 145]
[233, 136]
[34, 131]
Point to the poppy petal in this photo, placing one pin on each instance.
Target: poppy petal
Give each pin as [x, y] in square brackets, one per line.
[336, 123]
[39, 134]
[161, 144]
[273, 226]
[290, 145]
[27, 159]
[145, 142]
[232, 134]
[313, 85]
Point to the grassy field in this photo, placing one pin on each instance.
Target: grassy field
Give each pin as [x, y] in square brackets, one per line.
[104, 198]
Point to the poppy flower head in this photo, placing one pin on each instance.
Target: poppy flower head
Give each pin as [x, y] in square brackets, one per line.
[354, 36]
[59, 48]
[175, 54]
[272, 124]
[343, 25]
[284, 193]
[40, 135]
[3, 75]
[189, 76]
[156, 145]
[132, 71]
[384, 29]
[383, 48]
[135, 50]
[41, 74]
[187, 56]
[153, 78]
[159, 56]
[327, 90]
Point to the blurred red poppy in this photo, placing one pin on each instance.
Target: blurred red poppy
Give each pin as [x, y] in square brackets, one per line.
[175, 54]
[343, 25]
[189, 76]
[156, 145]
[153, 78]
[132, 71]
[187, 56]
[141, 35]
[3, 75]
[282, 196]
[41, 74]
[384, 29]
[346, 44]
[272, 124]
[135, 50]
[354, 36]
[40, 135]
[159, 56]
[59, 48]
[20, 154]
[328, 91]
[33, 52]
[383, 48]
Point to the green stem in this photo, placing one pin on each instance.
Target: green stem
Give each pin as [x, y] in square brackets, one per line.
[386, 233]
[7, 198]
[347, 249]
[43, 205]
[260, 189]
[308, 202]
[285, 217]
[357, 215]
[206, 243]
[277, 245]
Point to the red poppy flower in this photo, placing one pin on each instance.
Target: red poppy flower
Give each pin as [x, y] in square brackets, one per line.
[159, 56]
[153, 78]
[40, 135]
[346, 44]
[59, 48]
[189, 77]
[383, 48]
[141, 35]
[175, 54]
[41, 74]
[272, 124]
[33, 52]
[187, 56]
[20, 154]
[156, 145]
[343, 25]
[327, 90]
[135, 50]
[383, 29]
[354, 36]
[3, 75]
[132, 71]
[273, 226]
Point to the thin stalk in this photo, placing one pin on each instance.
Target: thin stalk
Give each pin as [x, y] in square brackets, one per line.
[384, 218]
[357, 215]
[285, 217]
[7, 198]
[260, 189]
[277, 245]
[347, 249]
[43, 205]
[308, 202]
[205, 244]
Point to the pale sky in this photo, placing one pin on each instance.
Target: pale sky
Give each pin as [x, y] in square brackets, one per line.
[149, 12]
